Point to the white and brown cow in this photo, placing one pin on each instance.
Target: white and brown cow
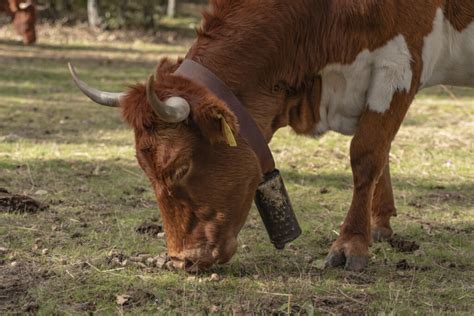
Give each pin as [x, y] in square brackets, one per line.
[23, 14]
[353, 67]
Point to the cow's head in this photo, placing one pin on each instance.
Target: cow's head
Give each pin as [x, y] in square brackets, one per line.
[24, 19]
[204, 186]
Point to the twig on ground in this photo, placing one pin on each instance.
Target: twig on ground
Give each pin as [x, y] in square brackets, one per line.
[448, 91]
[131, 172]
[103, 271]
[25, 228]
[351, 298]
[281, 294]
[28, 170]
[412, 282]
[70, 274]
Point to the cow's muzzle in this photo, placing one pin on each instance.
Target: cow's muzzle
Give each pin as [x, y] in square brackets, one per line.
[200, 259]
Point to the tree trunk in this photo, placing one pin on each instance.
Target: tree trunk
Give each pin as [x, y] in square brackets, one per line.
[171, 10]
[93, 13]
[148, 14]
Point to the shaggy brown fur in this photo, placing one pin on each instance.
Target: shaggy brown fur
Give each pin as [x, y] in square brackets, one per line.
[23, 20]
[269, 52]
[188, 163]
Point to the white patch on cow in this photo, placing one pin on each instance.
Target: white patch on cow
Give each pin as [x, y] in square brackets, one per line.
[391, 73]
[371, 80]
[448, 55]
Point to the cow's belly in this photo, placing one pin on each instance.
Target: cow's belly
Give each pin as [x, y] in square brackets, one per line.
[343, 95]
[370, 81]
[448, 55]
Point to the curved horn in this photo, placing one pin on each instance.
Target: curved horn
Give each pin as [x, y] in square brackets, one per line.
[173, 110]
[24, 5]
[100, 97]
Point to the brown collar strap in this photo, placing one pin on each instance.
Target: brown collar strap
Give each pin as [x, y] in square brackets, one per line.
[248, 128]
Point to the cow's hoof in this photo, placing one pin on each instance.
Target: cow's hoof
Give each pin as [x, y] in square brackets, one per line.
[381, 233]
[351, 252]
[335, 259]
[351, 263]
[356, 263]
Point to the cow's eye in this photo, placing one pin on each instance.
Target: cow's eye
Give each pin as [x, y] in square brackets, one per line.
[179, 173]
[145, 158]
[173, 176]
[145, 149]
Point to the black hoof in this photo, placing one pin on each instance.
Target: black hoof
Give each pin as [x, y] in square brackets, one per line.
[335, 259]
[357, 263]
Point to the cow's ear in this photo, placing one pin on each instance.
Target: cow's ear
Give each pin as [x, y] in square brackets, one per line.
[217, 123]
[13, 6]
[167, 66]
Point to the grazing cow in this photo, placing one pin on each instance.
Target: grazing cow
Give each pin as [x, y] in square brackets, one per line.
[352, 67]
[23, 15]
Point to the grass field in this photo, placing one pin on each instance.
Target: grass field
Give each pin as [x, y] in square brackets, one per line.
[78, 158]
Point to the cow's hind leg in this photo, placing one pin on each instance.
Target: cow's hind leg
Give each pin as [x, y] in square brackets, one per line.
[369, 152]
[383, 206]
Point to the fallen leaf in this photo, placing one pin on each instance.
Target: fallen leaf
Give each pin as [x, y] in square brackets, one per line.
[214, 309]
[319, 264]
[123, 299]
[215, 277]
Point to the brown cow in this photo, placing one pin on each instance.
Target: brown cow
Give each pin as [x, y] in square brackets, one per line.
[23, 15]
[316, 65]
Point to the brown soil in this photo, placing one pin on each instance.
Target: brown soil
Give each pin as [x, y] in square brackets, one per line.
[15, 282]
[436, 197]
[360, 278]
[150, 229]
[136, 297]
[405, 265]
[13, 203]
[402, 245]
[342, 304]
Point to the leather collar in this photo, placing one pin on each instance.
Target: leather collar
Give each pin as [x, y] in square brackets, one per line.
[248, 128]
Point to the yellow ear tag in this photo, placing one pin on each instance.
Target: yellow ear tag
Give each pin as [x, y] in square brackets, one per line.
[227, 131]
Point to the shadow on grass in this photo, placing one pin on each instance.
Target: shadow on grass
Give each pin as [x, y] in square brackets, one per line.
[77, 47]
[117, 184]
[12, 43]
[343, 181]
[181, 31]
[331, 181]
[105, 173]
[112, 189]
[48, 126]
[40, 102]
[45, 63]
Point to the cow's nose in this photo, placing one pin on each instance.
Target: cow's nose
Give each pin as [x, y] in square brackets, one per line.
[182, 264]
[192, 266]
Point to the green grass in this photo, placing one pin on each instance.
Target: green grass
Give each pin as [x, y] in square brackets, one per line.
[55, 140]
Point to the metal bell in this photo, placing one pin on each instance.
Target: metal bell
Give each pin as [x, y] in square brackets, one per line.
[275, 208]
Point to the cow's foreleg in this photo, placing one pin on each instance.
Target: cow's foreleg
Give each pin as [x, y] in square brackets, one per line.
[369, 154]
[383, 206]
